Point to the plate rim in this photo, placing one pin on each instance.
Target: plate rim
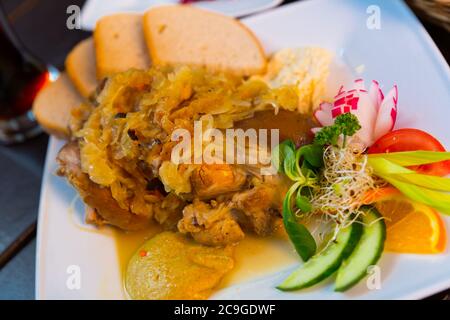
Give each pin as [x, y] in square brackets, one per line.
[257, 9]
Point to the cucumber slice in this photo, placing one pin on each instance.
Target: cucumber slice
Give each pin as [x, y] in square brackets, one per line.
[326, 262]
[366, 253]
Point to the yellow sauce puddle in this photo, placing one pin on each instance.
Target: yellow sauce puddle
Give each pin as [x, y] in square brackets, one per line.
[128, 242]
[255, 257]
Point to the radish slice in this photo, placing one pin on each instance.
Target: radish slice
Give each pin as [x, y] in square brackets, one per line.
[376, 113]
[341, 91]
[359, 84]
[323, 115]
[325, 106]
[367, 115]
[375, 94]
[387, 114]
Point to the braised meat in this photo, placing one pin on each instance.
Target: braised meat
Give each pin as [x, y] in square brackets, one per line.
[258, 208]
[95, 196]
[212, 180]
[210, 224]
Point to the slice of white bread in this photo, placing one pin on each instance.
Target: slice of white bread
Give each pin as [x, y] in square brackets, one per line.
[188, 35]
[80, 66]
[53, 105]
[119, 44]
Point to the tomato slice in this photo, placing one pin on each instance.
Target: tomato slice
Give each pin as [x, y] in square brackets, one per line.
[412, 140]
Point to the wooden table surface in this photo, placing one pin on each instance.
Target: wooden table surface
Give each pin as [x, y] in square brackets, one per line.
[41, 26]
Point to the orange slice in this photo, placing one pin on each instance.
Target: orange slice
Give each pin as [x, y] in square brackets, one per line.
[411, 227]
[380, 194]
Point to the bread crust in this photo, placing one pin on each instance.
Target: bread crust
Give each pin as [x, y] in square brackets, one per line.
[157, 59]
[81, 67]
[53, 106]
[119, 44]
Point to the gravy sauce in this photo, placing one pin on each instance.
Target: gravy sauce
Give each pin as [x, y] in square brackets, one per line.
[292, 125]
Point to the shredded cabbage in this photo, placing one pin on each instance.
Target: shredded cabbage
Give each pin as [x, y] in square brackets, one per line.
[125, 134]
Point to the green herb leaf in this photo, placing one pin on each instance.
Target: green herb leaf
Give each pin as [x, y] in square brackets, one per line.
[287, 160]
[303, 241]
[312, 153]
[302, 202]
[412, 158]
[308, 170]
[347, 123]
[291, 166]
[327, 135]
[279, 154]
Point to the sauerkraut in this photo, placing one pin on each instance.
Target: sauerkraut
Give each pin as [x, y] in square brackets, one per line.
[124, 135]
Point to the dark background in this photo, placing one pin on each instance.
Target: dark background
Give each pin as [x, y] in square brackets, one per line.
[41, 26]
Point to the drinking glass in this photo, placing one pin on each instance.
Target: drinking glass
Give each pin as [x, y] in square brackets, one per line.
[22, 76]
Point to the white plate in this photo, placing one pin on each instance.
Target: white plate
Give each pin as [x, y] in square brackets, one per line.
[400, 52]
[95, 9]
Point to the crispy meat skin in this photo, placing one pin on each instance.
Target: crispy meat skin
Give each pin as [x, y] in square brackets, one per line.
[93, 195]
[212, 180]
[210, 224]
[258, 208]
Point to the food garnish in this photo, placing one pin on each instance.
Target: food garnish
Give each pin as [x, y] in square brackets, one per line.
[331, 181]
[355, 166]
[411, 227]
[287, 159]
[346, 125]
[426, 189]
[366, 252]
[376, 113]
[325, 263]
[408, 139]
